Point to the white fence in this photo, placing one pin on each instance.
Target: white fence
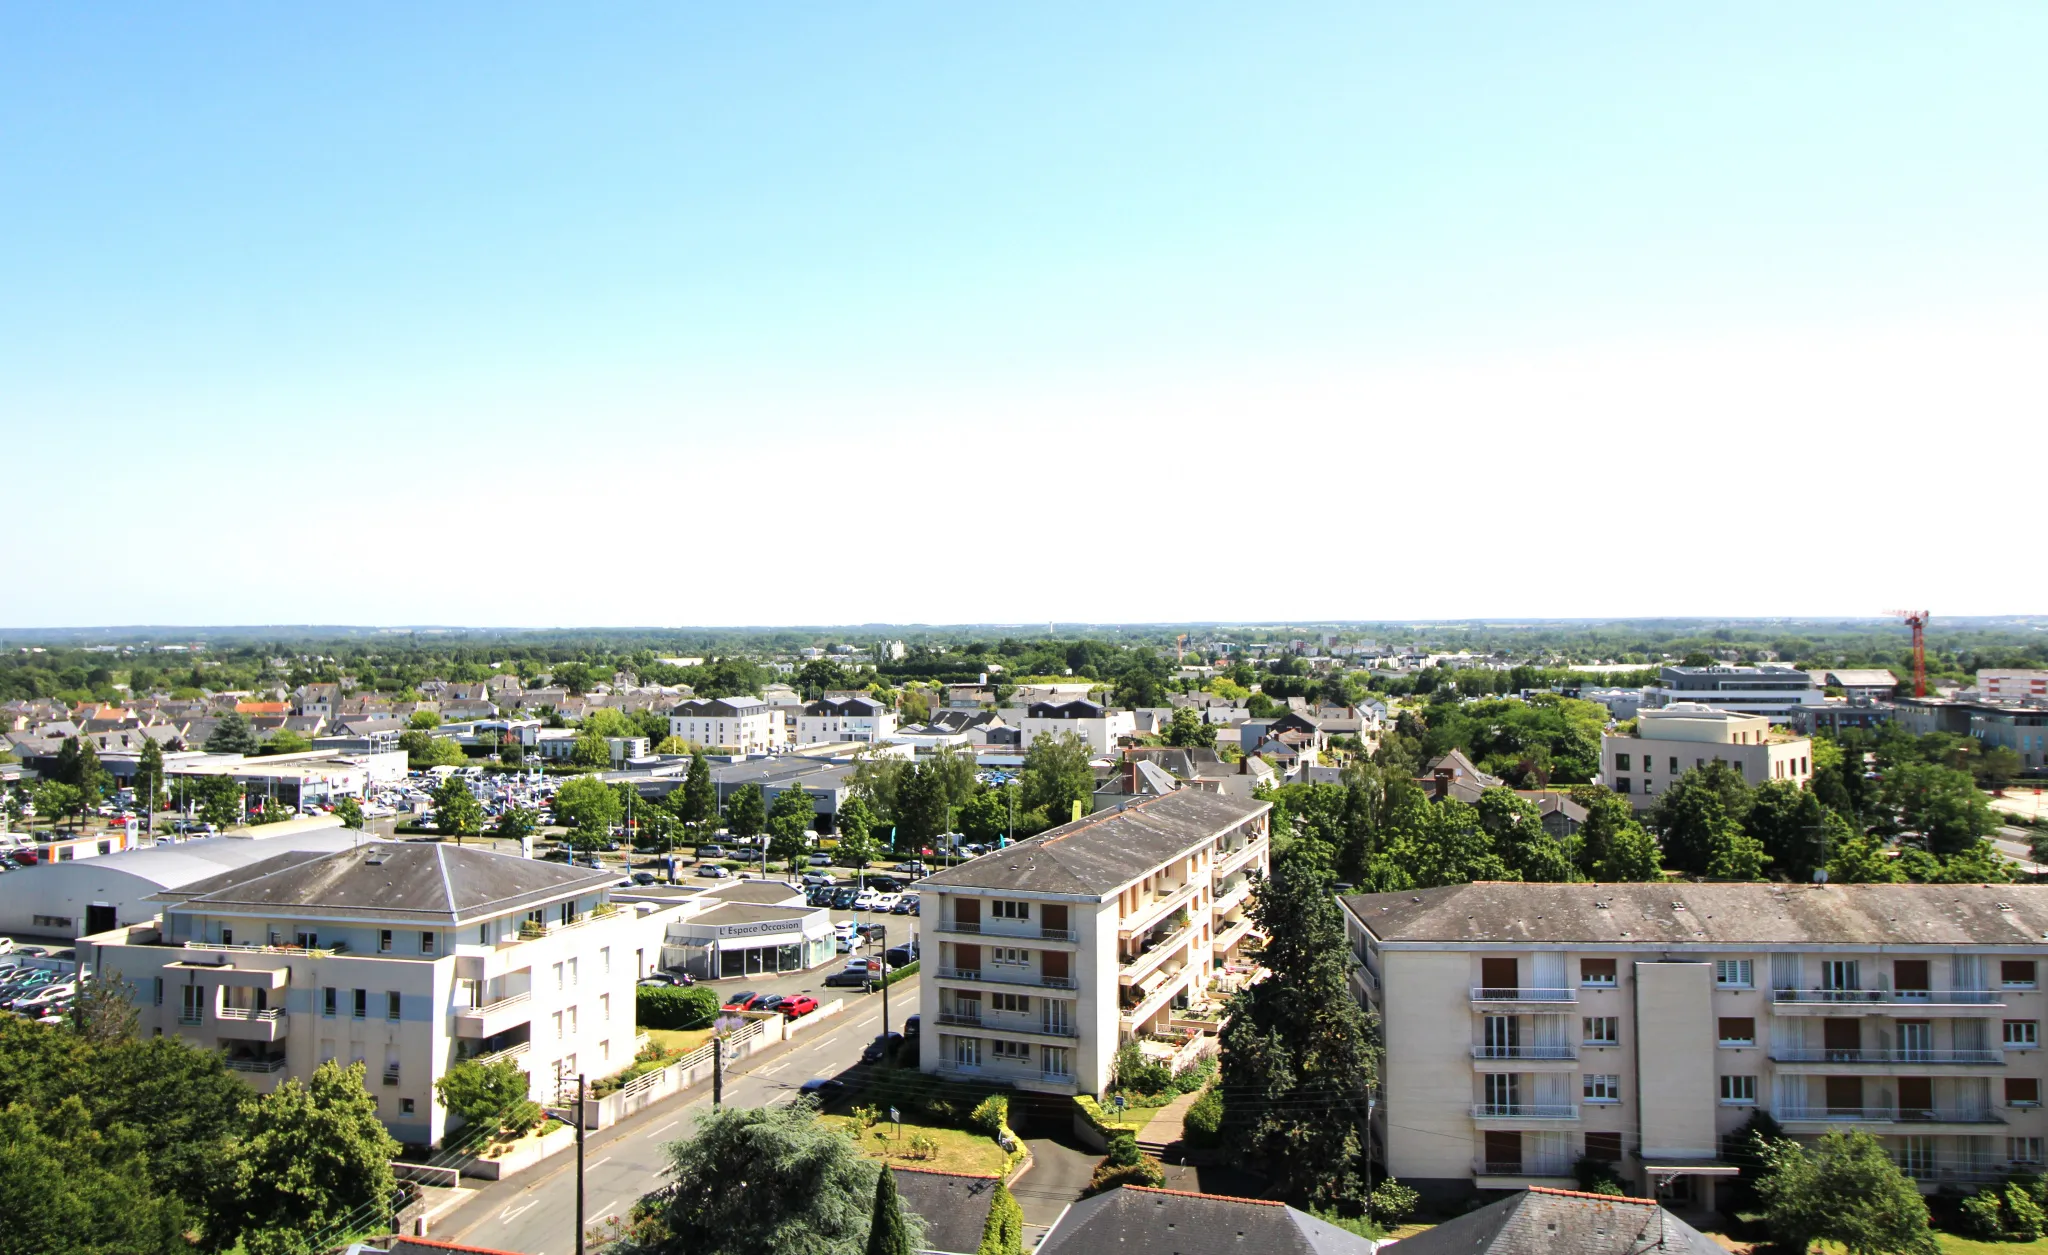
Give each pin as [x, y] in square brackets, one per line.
[695, 1068]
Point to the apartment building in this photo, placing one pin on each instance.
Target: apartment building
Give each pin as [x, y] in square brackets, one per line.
[844, 719]
[1770, 691]
[2020, 725]
[1672, 741]
[2012, 684]
[1527, 1025]
[1043, 958]
[745, 725]
[405, 957]
[1092, 722]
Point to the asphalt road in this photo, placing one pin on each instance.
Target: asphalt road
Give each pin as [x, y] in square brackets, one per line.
[535, 1212]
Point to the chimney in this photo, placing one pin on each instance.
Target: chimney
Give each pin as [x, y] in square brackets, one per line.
[1244, 765]
[1443, 783]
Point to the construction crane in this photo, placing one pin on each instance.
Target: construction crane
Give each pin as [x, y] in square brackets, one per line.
[1180, 648]
[1917, 620]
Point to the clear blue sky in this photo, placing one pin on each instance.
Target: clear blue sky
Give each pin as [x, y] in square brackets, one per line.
[506, 314]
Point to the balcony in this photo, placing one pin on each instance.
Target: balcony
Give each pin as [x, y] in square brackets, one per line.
[1006, 976]
[1229, 861]
[1027, 1078]
[1867, 1001]
[1227, 899]
[1160, 951]
[1004, 1025]
[1161, 906]
[1232, 933]
[1547, 1169]
[1522, 1112]
[1157, 1000]
[1524, 1058]
[273, 1063]
[249, 1024]
[1919, 1117]
[492, 1018]
[1884, 1062]
[499, 1056]
[1007, 929]
[1501, 996]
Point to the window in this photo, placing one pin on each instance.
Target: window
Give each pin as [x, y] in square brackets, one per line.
[2023, 1150]
[572, 972]
[2022, 1091]
[362, 1007]
[604, 1050]
[159, 995]
[384, 941]
[1602, 1087]
[391, 1004]
[306, 941]
[1674, 764]
[1621, 762]
[327, 1001]
[2016, 973]
[967, 1051]
[604, 1003]
[1016, 1050]
[1621, 785]
[1602, 1030]
[1018, 1003]
[1005, 955]
[1738, 1091]
[405, 1106]
[558, 1026]
[558, 977]
[1596, 973]
[1010, 910]
[604, 959]
[426, 943]
[1734, 974]
[1738, 1030]
[572, 1019]
[2022, 1034]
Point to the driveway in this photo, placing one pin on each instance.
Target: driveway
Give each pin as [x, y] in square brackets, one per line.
[1060, 1170]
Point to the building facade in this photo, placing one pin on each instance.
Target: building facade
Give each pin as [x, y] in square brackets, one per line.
[1096, 724]
[845, 719]
[1770, 691]
[1041, 959]
[1527, 1025]
[1674, 740]
[743, 725]
[2013, 684]
[405, 957]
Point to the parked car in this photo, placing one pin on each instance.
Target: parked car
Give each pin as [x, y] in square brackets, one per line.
[885, 884]
[821, 860]
[815, 879]
[850, 978]
[865, 900]
[34, 1003]
[739, 1001]
[765, 1002]
[714, 871]
[710, 851]
[912, 1027]
[886, 902]
[843, 896]
[914, 868]
[905, 905]
[883, 1044]
[645, 878]
[668, 978]
[900, 956]
[824, 1089]
[798, 1005]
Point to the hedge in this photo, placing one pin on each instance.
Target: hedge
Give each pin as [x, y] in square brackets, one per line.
[673, 1006]
[905, 972]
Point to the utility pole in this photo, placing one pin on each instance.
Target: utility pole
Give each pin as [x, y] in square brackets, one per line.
[579, 1164]
[881, 939]
[717, 1070]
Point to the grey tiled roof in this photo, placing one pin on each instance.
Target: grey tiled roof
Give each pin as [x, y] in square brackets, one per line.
[1136, 1220]
[1102, 853]
[1710, 914]
[410, 880]
[1562, 1222]
[954, 1207]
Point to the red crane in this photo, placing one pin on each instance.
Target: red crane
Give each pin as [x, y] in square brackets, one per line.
[1917, 620]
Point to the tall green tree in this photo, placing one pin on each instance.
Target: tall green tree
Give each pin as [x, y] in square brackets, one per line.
[855, 819]
[1792, 824]
[217, 800]
[73, 1189]
[350, 813]
[1299, 1055]
[1056, 775]
[922, 808]
[149, 775]
[745, 815]
[232, 736]
[516, 822]
[588, 802]
[1697, 815]
[887, 1232]
[456, 810]
[1613, 846]
[1003, 1232]
[700, 795]
[1519, 837]
[788, 820]
[315, 1164]
[1434, 843]
[1843, 1189]
[1189, 729]
[56, 800]
[491, 1098]
[1940, 804]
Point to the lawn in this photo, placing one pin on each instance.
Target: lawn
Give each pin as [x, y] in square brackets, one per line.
[959, 1150]
[676, 1040]
[1951, 1244]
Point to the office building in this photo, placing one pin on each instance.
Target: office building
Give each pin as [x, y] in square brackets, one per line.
[1770, 691]
[1675, 739]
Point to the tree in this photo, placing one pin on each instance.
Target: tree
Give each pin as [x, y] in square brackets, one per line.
[1939, 803]
[1844, 1189]
[74, 1190]
[232, 736]
[887, 1233]
[149, 775]
[588, 802]
[857, 849]
[986, 817]
[1792, 824]
[1003, 1232]
[316, 1163]
[1698, 815]
[760, 1179]
[517, 823]
[1857, 858]
[1520, 838]
[286, 741]
[1436, 843]
[1995, 766]
[1613, 847]
[424, 720]
[922, 809]
[1298, 1052]
[788, 820]
[424, 750]
[105, 1013]
[491, 1098]
[855, 821]
[700, 795]
[1056, 775]
[590, 750]
[1190, 729]
[745, 816]
[56, 799]
[350, 813]
[219, 800]
[456, 810]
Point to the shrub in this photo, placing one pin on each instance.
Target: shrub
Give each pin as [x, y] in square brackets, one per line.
[1134, 1072]
[1109, 1176]
[924, 1147]
[1596, 1176]
[867, 1116]
[671, 1007]
[991, 1115]
[1203, 1121]
[1194, 1076]
[1981, 1216]
[2024, 1219]
[490, 1096]
[1391, 1202]
[1003, 1232]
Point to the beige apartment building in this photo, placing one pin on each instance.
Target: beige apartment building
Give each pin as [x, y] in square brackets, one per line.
[1527, 1025]
[1675, 739]
[1041, 959]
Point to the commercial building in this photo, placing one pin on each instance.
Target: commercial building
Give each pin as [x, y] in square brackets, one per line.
[2013, 684]
[1528, 1025]
[741, 725]
[1041, 959]
[844, 719]
[1674, 740]
[738, 928]
[404, 957]
[1770, 691]
[2020, 726]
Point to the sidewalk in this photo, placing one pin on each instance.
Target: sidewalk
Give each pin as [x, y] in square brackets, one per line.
[1165, 1126]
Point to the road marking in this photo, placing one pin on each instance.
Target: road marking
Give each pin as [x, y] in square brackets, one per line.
[777, 1068]
[600, 1163]
[511, 1214]
[606, 1210]
[664, 1128]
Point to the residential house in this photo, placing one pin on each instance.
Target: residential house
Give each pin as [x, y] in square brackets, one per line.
[855, 718]
[1545, 1221]
[1094, 723]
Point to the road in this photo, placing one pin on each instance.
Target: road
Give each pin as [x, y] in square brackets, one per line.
[535, 1212]
[2016, 844]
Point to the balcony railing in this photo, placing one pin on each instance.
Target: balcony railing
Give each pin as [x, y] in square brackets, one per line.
[955, 1017]
[257, 1065]
[1158, 952]
[1510, 993]
[510, 1000]
[1149, 913]
[977, 928]
[391, 1076]
[1919, 997]
[509, 1052]
[1887, 1115]
[1521, 1167]
[1525, 1111]
[189, 1017]
[1524, 1052]
[1005, 978]
[1915, 1057]
[269, 1015]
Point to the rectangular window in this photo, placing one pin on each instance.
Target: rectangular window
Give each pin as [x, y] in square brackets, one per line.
[1738, 1030]
[159, 999]
[604, 1003]
[2022, 1034]
[1674, 764]
[1010, 910]
[362, 1007]
[1738, 1091]
[558, 977]
[426, 943]
[572, 972]
[327, 1000]
[1018, 1003]
[2016, 973]
[572, 1020]
[1602, 1030]
[391, 1004]
[1621, 762]
[384, 941]
[1597, 973]
[306, 941]
[558, 1026]
[1602, 1087]
[604, 1050]
[2022, 1091]
[604, 959]
[2023, 1150]
[1734, 974]
[1015, 1050]
[1621, 785]
[405, 1106]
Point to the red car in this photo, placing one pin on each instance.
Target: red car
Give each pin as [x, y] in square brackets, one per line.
[739, 1001]
[798, 1004]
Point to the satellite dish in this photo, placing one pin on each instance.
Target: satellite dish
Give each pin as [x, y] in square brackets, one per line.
[1820, 875]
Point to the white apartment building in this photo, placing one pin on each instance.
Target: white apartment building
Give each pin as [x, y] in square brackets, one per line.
[844, 719]
[1771, 691]
[2013, 684]
[1675, 739]
[1526, 1025]
[405, 957]
[1041, 959]
[1094, 723]
[745, 725]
